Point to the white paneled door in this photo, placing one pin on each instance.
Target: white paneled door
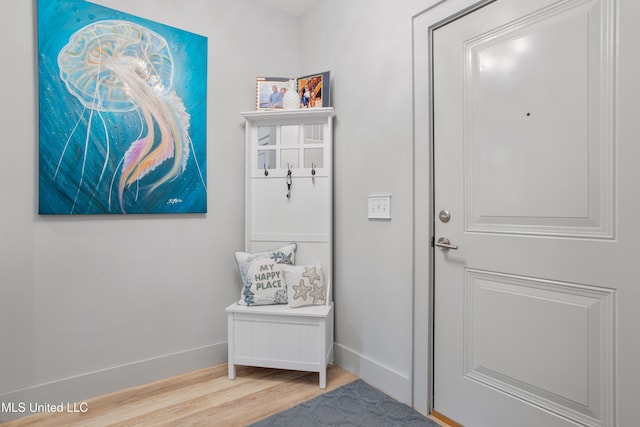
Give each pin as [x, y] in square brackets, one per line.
[536, 213]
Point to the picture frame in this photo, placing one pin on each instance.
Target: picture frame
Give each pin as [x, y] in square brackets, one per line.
[314, 90]
[96, 153]
[266, 98]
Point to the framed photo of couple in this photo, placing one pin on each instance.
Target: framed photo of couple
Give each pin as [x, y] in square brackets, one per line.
[313, 91]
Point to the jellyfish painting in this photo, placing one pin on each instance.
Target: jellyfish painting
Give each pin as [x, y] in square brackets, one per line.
[131, 133]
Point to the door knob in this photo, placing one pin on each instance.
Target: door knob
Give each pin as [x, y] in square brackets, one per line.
[445, 244]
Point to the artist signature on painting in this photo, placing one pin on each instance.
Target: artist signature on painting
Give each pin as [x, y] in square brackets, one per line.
[174, 201]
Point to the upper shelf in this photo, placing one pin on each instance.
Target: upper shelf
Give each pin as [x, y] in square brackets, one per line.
[286, 115]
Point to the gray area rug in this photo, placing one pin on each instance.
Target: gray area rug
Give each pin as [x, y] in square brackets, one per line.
[353, 404]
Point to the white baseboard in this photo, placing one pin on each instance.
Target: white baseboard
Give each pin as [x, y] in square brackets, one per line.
[16, 404]
[373, 373]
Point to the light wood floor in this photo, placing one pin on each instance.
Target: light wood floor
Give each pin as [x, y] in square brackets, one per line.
[201, 398]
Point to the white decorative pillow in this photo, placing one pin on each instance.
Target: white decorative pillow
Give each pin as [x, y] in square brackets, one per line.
[305, 285]
[262, 277]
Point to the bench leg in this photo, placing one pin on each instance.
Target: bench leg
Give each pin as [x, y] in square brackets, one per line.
[323, 378]
[232, 371]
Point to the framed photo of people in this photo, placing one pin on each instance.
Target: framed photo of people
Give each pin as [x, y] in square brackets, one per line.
[269, 92]
[314, 90]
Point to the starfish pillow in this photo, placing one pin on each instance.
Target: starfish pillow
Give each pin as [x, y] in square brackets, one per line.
[305, 285]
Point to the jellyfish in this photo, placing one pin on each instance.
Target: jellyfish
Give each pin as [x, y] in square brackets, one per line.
[117, 66]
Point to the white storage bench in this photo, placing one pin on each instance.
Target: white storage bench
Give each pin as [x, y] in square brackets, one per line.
[277, 336]
[288, 198]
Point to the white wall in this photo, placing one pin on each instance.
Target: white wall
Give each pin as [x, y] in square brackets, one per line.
[367, 45]
[91, 304]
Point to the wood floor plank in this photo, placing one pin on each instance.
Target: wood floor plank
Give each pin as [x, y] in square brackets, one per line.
[198, 410]
[255, 406]
[205, 397]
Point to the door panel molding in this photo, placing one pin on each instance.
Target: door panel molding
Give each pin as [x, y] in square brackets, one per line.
[515, 325]
[573, 194]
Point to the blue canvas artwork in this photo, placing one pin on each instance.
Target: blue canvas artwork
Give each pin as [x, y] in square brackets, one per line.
[122, 113]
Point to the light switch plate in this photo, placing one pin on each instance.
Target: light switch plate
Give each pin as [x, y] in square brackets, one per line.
[379, 207]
